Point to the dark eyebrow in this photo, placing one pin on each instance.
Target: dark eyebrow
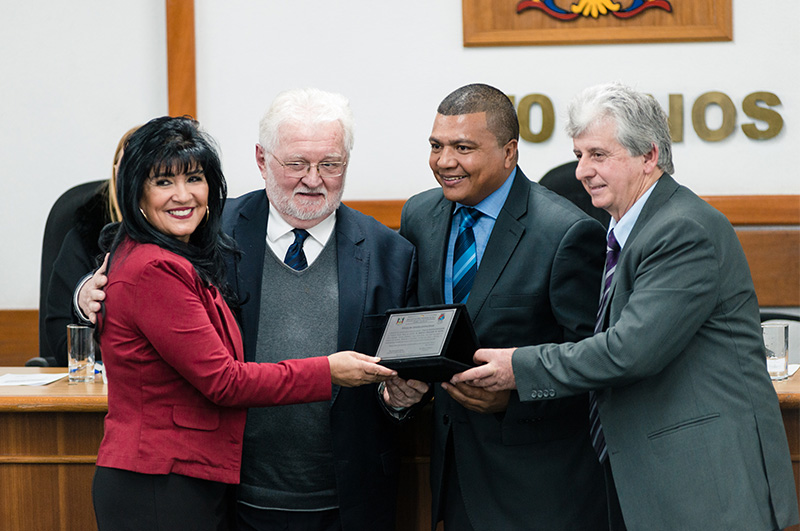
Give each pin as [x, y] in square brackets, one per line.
[456, 142]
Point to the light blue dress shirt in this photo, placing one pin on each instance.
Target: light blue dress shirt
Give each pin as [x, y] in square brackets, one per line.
[622, 228]
[490, 207]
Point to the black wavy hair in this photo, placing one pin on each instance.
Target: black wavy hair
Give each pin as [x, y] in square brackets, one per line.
[179, 146]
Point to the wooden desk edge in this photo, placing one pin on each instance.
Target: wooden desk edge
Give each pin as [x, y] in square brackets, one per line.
[53, 404]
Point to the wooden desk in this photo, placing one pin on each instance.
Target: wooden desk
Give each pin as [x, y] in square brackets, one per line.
[49, 438]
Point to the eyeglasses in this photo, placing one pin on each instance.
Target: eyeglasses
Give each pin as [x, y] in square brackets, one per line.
[298, 169]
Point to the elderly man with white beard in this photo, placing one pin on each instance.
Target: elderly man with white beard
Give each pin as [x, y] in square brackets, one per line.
[314, 275]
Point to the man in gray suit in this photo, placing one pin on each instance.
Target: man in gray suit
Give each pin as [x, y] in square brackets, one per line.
[692, 426]
[497, 462]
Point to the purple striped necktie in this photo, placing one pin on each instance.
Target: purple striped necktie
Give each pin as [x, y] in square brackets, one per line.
[595, 428]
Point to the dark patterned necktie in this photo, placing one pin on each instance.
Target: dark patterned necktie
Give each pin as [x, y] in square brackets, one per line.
[595, 428]
[465, 256]
[295, 257]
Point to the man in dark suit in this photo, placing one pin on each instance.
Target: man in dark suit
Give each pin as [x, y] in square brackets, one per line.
[692, 427]
[314, 276]
[499, 463]
[330, 466]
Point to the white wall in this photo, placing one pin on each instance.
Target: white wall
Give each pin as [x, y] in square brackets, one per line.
[397, 60]
[76, 75]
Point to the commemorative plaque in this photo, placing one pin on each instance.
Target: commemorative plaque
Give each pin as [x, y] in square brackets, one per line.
[430, 343]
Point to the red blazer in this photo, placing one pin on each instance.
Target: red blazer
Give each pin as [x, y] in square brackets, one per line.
[177, 383]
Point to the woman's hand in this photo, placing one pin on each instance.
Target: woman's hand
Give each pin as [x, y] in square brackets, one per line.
[351, 369]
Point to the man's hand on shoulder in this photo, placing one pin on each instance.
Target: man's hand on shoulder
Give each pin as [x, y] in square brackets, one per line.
[91, 294]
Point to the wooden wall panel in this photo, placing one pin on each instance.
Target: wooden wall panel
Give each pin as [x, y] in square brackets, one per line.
[758, 209]
[19, 336]
[774, 259]
[181, 70]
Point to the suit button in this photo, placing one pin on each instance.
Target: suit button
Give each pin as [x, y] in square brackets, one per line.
[533, 394]
[446, 420]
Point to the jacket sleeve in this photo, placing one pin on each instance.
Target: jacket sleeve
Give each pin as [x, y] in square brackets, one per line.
[174, 312]
[72, 263]
[675, 280]
[576, 277]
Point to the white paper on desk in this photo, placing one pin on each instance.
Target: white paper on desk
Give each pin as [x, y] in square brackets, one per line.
[30, 379]
[793, 368]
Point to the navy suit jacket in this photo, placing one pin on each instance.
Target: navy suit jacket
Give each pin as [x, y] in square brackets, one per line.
[377, 271]
[538, 281]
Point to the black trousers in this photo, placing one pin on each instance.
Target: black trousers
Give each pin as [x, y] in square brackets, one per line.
[125, 500]
[454, 511]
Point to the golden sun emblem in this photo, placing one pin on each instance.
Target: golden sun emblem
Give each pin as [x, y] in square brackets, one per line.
[594, 8]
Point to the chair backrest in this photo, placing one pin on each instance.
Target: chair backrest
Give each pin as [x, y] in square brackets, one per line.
[60, 220]
[562, 181]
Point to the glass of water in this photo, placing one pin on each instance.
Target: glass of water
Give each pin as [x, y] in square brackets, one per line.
[776, 341]
[80, 353]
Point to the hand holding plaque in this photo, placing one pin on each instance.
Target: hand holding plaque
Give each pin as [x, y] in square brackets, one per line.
[430, 343]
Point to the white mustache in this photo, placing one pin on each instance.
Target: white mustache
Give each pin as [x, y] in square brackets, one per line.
[303, 189]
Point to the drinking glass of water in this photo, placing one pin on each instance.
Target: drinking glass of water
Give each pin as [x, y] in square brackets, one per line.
[80, 353]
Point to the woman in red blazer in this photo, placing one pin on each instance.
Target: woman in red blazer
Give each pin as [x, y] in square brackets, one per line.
[178, 385]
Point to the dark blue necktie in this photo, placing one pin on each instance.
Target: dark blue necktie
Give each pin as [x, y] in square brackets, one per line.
[595, 427]
[295, 257]
[465, 256]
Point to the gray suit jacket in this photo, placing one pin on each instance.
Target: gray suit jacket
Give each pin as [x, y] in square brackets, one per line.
[691, 419]
[533, 466]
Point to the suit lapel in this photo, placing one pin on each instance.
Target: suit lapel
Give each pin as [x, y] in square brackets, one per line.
[439, 236]
[664, 188]
[353, 267]
[250, 233]
[505, 237]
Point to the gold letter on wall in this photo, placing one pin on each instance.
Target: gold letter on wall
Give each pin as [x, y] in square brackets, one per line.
[753, 110]
[728, 116]
[524, 114]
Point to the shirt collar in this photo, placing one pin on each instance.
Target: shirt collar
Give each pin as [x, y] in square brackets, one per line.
[278, 227]
[493, 203]
[622, 228]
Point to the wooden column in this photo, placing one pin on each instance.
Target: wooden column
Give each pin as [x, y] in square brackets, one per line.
[181, 77]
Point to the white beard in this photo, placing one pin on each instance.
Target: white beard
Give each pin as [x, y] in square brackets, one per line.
[297, 207]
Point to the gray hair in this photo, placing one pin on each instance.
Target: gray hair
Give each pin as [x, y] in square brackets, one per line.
[640, 121]
[306, 106]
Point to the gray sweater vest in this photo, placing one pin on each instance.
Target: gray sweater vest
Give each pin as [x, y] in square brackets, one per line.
[287, 460]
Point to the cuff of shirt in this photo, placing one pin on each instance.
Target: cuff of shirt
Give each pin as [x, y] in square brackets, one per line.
[76, 309]
[397, 412]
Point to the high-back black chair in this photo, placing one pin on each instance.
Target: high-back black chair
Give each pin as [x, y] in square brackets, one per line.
[60, 220]
[562, 181]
